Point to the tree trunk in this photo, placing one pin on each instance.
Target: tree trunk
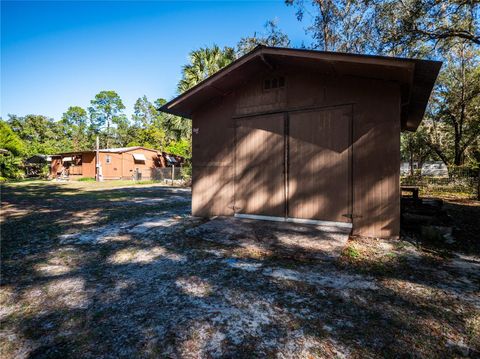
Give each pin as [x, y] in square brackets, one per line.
[478, 185]
[459, 125]
[420, 163]
[108, 134]
[439, 153]
[458, 154]
[412, 172]
[410, 159]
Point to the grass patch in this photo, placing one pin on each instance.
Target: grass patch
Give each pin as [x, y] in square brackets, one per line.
[82, 184]
[86, 179]
[49, 191]
[351, 252]
[473, 330]
[367, 257]
[446, 192]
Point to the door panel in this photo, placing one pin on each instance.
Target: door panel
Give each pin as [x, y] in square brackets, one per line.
[319, 167]
[260, 165]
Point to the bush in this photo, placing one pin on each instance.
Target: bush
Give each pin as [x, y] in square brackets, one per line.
[186, 172]
[11, 167]
[45, 171]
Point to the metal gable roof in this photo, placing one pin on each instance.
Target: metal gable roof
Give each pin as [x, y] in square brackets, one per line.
[110, 150]
[123, 149]
[416, 77]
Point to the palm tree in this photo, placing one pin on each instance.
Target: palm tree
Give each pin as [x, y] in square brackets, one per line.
[204, 62]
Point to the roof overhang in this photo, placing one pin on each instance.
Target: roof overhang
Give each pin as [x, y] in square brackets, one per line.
[416, 77]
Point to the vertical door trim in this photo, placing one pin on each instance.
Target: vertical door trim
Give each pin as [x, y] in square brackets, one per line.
[350, 153]
[235, 125]
[286, 149]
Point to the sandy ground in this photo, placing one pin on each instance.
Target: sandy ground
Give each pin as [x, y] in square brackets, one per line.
[132, 274]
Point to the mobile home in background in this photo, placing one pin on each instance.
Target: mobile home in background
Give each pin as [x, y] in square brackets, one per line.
[126, 163]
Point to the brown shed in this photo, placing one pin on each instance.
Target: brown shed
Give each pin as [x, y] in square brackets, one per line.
[116, 163]
[307, 136]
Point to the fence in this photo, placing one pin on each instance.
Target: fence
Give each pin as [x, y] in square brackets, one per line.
[158, 174]
[430, 168]
[460, 180]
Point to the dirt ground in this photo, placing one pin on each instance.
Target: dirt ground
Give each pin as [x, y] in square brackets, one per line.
[127, 272]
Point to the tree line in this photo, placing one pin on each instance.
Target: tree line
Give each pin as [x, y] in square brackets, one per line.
[77, 130]
[445, 30]
[79, 127]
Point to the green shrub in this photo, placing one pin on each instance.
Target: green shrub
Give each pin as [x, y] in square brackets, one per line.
[186, 172]
[44, 171]
[11, 166]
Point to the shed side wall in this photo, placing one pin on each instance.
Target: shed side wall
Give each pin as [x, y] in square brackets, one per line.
[213, 157]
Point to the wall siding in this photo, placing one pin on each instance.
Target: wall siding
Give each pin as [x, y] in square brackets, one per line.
[213, 142]
[320, 164]
[375, 148]
[259, 165]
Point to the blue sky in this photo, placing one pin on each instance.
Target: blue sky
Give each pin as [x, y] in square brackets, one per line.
[58, 54]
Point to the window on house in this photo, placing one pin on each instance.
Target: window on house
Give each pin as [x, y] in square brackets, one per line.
[274, 83]
[139, 158]
[77, 160]
[109, 159]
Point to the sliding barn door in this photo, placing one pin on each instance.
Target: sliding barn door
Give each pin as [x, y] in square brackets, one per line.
[260, 165]
[319, 165]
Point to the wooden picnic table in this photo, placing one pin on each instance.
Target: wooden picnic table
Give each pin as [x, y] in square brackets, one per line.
[412, 189]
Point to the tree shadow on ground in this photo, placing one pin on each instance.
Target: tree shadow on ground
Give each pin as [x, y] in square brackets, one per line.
[461, 216]
[165, 293]
[136, 308]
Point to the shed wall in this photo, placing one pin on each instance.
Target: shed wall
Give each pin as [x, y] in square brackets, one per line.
[213, 156]
[319, 170]
[260, 165]
[375, 137]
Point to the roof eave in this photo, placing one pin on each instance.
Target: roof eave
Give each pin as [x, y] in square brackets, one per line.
[235, 64]
[410, 121]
